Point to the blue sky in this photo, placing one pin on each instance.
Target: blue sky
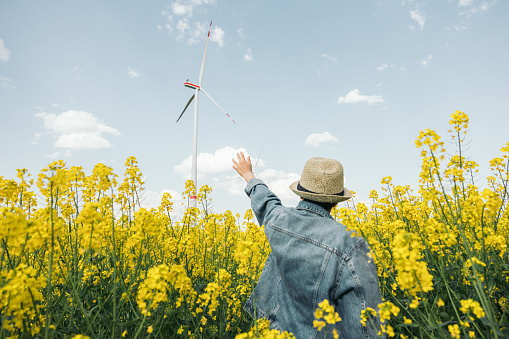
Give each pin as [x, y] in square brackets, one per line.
[91, 81]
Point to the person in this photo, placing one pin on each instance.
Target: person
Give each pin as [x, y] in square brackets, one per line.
[312, 257]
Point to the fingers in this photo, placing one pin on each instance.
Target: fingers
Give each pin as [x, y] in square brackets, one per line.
[241, 159]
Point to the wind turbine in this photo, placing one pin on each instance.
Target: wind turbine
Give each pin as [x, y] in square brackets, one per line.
[197, 89]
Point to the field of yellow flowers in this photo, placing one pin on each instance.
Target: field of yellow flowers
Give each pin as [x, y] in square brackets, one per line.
[92, 263]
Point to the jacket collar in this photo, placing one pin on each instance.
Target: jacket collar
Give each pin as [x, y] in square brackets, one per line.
[314, 208]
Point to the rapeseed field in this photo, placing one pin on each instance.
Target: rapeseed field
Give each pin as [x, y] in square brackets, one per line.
[92, 263]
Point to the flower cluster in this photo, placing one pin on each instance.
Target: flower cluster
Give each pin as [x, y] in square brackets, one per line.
[261, 330]
[93, 261]
[447, 241]
[326, 312]
[21, 299]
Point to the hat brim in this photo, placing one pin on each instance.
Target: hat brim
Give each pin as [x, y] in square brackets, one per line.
[321, 197]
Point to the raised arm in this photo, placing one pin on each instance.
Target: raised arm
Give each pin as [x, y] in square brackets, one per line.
[263, 201]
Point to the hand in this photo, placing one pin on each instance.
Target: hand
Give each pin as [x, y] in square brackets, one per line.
[243, 167]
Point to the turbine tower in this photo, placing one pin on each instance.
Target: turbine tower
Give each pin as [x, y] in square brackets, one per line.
[197, 89]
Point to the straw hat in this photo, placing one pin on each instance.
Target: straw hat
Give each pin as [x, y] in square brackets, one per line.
[322, 181]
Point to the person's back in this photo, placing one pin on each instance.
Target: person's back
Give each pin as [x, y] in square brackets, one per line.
[313, 258]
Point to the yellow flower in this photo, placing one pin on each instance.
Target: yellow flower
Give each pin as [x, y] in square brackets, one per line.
[454, 330]
[21, 284]
[414, 303]
[387, 180]
[390, 331]
[319, 324]
[325, 311]
[474, 306]
[150, 329]
[459, 119]
[367, 314]
[385, 310]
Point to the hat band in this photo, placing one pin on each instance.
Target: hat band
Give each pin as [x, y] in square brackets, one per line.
[300, 188]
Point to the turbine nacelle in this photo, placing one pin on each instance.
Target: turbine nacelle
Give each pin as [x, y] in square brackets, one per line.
[199, 88]
[190, 85]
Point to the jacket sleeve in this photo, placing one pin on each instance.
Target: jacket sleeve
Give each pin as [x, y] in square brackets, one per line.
[263, 202]
[358, 290]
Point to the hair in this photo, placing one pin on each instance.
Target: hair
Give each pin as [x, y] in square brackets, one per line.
[328, 206]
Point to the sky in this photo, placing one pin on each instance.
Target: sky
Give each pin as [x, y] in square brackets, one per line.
[93, 82]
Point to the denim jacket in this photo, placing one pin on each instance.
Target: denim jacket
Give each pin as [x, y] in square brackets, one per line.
[313, 258]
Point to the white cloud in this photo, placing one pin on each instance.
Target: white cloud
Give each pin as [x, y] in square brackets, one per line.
[151, 199]
[132, 73]
[419, 17]
[278, 182]
[249, 55]
[77, 130]
[354, 97]
[471, 10]
[330, 58]
[319, 139]
[485, 5]
[465, 3]
[182, 9]
[213, 163]
[82, 140]
[4, 52]
[182, 26]
[382, 67]
[36, 138]
[425, 61]
[193, 35]
[458, 28]
[179, 15]
[217, 167]
[6, 82]
[231, 183]
[57, 154]
[217, 35]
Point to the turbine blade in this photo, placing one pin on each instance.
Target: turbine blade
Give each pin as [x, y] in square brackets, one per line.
[188, 103]
[201, 89]
[259, 155]
[204, 55]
